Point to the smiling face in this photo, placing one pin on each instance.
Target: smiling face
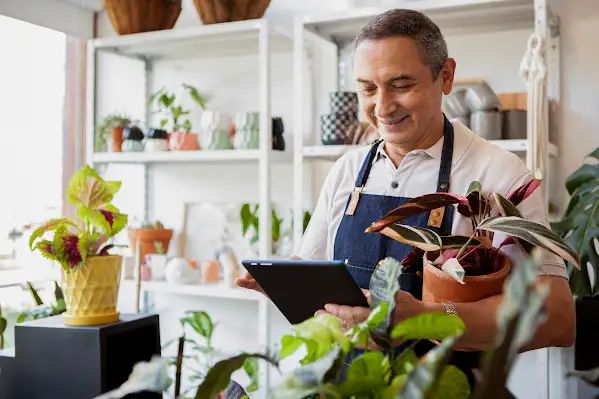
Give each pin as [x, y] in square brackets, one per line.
[398, 93]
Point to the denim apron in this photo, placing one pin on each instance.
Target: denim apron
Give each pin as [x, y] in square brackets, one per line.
[364, 250]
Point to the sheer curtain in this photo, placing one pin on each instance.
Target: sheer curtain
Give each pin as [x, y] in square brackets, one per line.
[32, 95]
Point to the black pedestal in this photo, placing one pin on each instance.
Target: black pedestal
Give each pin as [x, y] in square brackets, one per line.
[586, 347]
[58, 361]
[7, 373]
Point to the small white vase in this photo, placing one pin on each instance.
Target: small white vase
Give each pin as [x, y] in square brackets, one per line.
[181, 271]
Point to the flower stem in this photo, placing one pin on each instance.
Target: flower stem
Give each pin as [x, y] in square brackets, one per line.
[465, 246]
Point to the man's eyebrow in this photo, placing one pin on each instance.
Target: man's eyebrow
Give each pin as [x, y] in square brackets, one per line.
[390, 80]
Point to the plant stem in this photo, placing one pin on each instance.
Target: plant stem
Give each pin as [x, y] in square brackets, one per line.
[179, 365]
[465, 245]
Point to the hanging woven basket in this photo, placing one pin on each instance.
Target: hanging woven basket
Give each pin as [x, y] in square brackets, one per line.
[218, 11]
[136, 16]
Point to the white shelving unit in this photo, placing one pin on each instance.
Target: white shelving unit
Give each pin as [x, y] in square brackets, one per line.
[234, 39]
[453, 17]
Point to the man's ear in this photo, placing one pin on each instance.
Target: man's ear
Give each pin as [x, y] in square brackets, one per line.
[447, 74]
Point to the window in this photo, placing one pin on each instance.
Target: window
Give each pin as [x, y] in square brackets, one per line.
[32, 97]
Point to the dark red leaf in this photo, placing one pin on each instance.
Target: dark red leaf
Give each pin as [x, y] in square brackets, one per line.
[109, 216]
[413, 258]
[416, 206]
[477, 203]
[71, 250]
[522, 192]
[104, 250]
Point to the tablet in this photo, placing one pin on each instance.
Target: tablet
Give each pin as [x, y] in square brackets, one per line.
[298, 288]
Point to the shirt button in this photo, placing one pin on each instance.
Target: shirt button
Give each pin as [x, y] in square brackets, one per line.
[394, 184]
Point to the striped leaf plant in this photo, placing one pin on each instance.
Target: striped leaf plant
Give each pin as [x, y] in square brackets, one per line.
[489, 214]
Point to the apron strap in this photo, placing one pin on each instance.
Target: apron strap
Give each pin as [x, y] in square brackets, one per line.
[446, 158]
[367, 164]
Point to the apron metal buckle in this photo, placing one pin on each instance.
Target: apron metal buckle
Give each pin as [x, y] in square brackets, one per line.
[436, 217]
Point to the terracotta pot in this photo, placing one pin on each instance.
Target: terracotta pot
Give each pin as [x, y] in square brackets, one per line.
[439, 287]
[134, 16]
[147, 237]
[117, 139]
[91, 292]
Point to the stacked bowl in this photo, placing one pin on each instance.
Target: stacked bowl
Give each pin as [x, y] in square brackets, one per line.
[335, 127]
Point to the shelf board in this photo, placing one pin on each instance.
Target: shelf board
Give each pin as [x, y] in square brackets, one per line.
[452, 16]
[204, 41]
[333, 152]
[188, 156]
[212, 290]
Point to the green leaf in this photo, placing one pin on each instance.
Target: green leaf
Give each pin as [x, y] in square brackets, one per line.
[45, 248]
[83, 245]
[532, 232]
[452, 384]
[87, 189]
[582, 175]
[320, 334]
[437, 326]
[418, 237]
[384, 284]
[201, 323]
[416, 206]
[405, 362]
[251, 369]
[34, 294]
[506, 207]
[94, 218]
[361, 331]
[367, 374]
[219, 375]
[476, 201]
[50, 225]
[195, 95]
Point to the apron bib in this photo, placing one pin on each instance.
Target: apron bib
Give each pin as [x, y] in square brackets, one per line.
[363, 251]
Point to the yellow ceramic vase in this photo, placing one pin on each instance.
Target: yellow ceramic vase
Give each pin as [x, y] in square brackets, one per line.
[91, 293]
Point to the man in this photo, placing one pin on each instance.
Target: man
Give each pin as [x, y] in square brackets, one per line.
[402, 70]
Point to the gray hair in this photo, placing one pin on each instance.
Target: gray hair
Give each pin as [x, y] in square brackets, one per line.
[412, 24]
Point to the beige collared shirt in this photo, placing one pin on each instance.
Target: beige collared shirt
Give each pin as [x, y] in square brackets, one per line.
[474, 158]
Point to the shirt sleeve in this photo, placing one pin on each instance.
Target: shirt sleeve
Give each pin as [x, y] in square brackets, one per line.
[315, 240]
[533, 208]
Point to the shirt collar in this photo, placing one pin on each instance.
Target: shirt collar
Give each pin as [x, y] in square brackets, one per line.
[461, 140]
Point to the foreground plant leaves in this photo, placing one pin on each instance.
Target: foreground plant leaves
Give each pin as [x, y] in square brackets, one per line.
[437, 326]
[384, 284]
[219, 376]
[368, 373]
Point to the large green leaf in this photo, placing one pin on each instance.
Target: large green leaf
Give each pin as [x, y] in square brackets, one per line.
[49, 225]
[360, 332]
[200, 322]
[219, 375]
[532, 232]
[367, 374]
[582, 175]
[86, 188]
[384, 284]
[435, 326]
[320, 334]
[452, 384]
[416, 206]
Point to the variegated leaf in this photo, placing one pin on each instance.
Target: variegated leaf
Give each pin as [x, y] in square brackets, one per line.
[532, 232]
[476, 201]
[524, 191]
[418, 237]
[384, 284]
[506, 207]
[453, 268]
[416, 206]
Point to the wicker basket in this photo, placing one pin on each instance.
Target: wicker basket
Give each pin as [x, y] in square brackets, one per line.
[218, 11]
[136, 16]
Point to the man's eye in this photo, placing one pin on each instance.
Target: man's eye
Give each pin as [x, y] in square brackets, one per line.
[368, 90]
[402, 87]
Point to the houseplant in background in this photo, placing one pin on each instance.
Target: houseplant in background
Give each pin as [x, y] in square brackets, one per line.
[218, 11]
[469, 268]
[90, 275]
[110, 129]
[579, 226]
[42, 310]
[165, 103]
[153, 238]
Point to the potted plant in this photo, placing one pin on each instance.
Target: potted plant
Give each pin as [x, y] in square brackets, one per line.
[42, 310]
[111, 127]
[90, 275]
[375, 374]
[579, 226]
[165, 103]
[153, 237]
[468, 268]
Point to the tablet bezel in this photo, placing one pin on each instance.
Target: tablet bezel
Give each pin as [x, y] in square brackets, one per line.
[298, 288]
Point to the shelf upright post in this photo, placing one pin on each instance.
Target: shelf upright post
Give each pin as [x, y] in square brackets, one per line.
[298, 132]
[90, 101]
[264, 174]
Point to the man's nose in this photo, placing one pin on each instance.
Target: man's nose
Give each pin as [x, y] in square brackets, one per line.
[385, 104]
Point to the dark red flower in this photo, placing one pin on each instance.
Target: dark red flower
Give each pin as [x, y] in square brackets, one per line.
[71, 250]
[109, 216]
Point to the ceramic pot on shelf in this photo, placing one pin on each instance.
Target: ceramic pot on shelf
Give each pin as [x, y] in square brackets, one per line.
[182, 271]
[183, 141]
[116, 138]
[157, 140]
[132, 139]
[215, 129]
